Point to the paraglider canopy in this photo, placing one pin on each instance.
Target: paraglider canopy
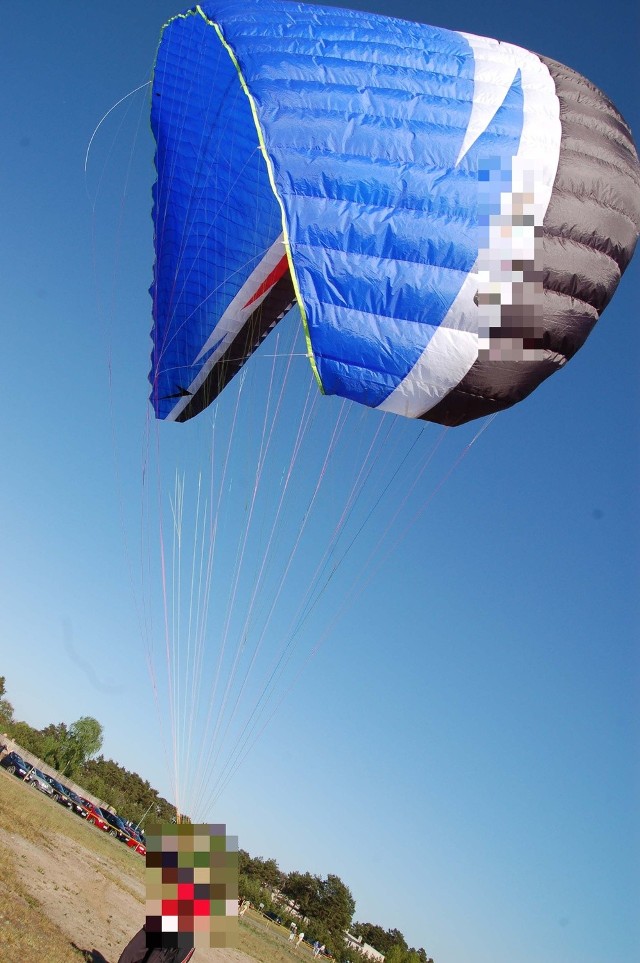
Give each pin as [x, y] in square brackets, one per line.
[450, 213]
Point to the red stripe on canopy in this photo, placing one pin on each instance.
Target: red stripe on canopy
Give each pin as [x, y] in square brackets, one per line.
[270, 280]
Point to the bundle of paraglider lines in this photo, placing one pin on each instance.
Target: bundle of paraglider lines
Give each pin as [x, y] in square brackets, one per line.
[449, 214]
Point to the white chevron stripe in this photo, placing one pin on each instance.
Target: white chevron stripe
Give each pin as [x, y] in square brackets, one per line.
[453, 349]
[231, 322]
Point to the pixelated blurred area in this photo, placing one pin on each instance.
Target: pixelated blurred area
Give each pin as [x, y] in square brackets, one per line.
[192, 886]
[510, 292]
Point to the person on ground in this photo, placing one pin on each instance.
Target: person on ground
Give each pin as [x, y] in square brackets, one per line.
[137, 951]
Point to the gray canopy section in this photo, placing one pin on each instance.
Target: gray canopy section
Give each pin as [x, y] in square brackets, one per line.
[588, 238]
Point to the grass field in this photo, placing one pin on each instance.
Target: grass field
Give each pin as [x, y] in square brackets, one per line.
[101, 888]
[27, 935]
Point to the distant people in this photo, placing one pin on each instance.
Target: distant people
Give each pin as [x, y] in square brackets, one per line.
[316, 947]
[136, 951]
[300, 939]
[244, 906]
[322, 949]
[292, 935]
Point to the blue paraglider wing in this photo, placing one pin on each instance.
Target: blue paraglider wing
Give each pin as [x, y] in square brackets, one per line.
[394, 179]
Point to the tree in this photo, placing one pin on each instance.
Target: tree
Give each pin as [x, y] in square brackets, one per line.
[54, 742]
[374, 935]
[336, 905]
[249, 888]
[303, 889]
[265, 871]
[87, 733]
[397, 939]
[127, 792]
[6, 709]
[27, 737]
[327, 903]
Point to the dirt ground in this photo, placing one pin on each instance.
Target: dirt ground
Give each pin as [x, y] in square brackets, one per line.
[78, 891]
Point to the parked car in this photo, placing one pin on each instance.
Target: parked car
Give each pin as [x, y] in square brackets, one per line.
[61, 794]
[15, 764]
[117, 825]
[136, 833]
[94, 815]
[134, 843]
[273, 916]
[39, 781]
[79, 804]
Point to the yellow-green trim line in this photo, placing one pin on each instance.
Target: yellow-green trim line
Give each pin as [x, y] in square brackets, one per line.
[285, 232]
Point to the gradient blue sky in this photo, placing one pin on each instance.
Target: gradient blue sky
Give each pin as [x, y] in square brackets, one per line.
[463, 749]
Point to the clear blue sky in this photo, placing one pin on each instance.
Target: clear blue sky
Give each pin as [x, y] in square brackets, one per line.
[463, 748]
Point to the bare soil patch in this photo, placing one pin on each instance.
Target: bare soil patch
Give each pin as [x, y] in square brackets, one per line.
[69, 893]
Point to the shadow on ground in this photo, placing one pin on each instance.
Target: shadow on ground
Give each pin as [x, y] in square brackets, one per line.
[91, 956]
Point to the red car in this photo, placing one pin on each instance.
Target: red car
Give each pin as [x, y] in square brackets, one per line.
[137, 845]
[136, 839]
[93, 816]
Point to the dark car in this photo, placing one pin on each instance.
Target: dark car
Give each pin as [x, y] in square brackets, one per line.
[136, 831]
[15, 764]
[274, 917]
[61, 794]
[116, 825]
[78, 803]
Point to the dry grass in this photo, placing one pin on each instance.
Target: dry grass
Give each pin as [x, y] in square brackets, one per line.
[26, 935]
[40, 819]
[269, 943]
[34, 832]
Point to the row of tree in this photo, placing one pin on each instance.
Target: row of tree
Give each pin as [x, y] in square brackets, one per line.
[71, 750]
[66, 748]
[327, 904]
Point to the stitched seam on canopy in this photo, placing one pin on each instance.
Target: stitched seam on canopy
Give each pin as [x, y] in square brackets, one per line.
[272, 181]
[592, 199]
[557, 235]
[378, 257]
[566, 149]
[364, 158]
[401, 47]
[412, 72]
[376, 314]
[451, 213]
[399, 123]
[364, 367]
[549, 287]
[483, 397]
[614, 128]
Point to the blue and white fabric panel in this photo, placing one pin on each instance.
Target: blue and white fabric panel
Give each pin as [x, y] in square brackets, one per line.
[215, 213]
[375, 129]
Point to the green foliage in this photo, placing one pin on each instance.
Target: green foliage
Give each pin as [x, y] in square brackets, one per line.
[265, 871]
[327, 902]
[6, 709]
[337, 905]
[63, 748]
[303, 889]
[128, 793]
[389, 942]
[395, 954]
[250, 889]
[86, 732]
[28, 737]
[381, 939]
